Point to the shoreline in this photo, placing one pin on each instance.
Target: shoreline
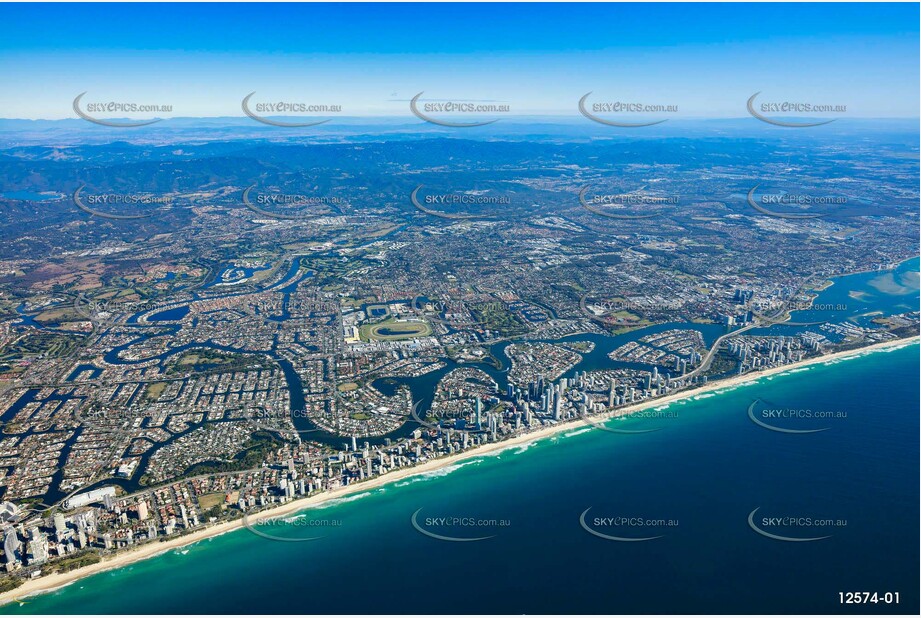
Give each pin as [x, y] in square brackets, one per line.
[59, 580]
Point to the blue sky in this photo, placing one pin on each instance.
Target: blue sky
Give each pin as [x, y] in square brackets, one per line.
[539, 59]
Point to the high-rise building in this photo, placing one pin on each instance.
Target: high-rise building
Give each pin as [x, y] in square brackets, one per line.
[11, 548]
[60, 525]
[38, 550]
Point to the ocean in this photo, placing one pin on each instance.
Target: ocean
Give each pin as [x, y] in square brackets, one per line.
[706, 486]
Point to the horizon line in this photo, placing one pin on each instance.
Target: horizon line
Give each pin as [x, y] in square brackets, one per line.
[560, 116]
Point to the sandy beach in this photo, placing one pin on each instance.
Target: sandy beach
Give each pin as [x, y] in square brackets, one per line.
[57, 580]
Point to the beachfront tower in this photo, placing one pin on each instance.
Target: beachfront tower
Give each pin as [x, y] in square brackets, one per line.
[60, 525]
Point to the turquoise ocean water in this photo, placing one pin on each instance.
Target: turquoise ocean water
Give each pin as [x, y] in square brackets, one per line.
[693, 483]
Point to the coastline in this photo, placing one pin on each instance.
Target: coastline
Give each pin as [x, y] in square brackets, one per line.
[58, 580]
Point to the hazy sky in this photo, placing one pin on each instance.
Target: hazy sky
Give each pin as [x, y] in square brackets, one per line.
[539, 59]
